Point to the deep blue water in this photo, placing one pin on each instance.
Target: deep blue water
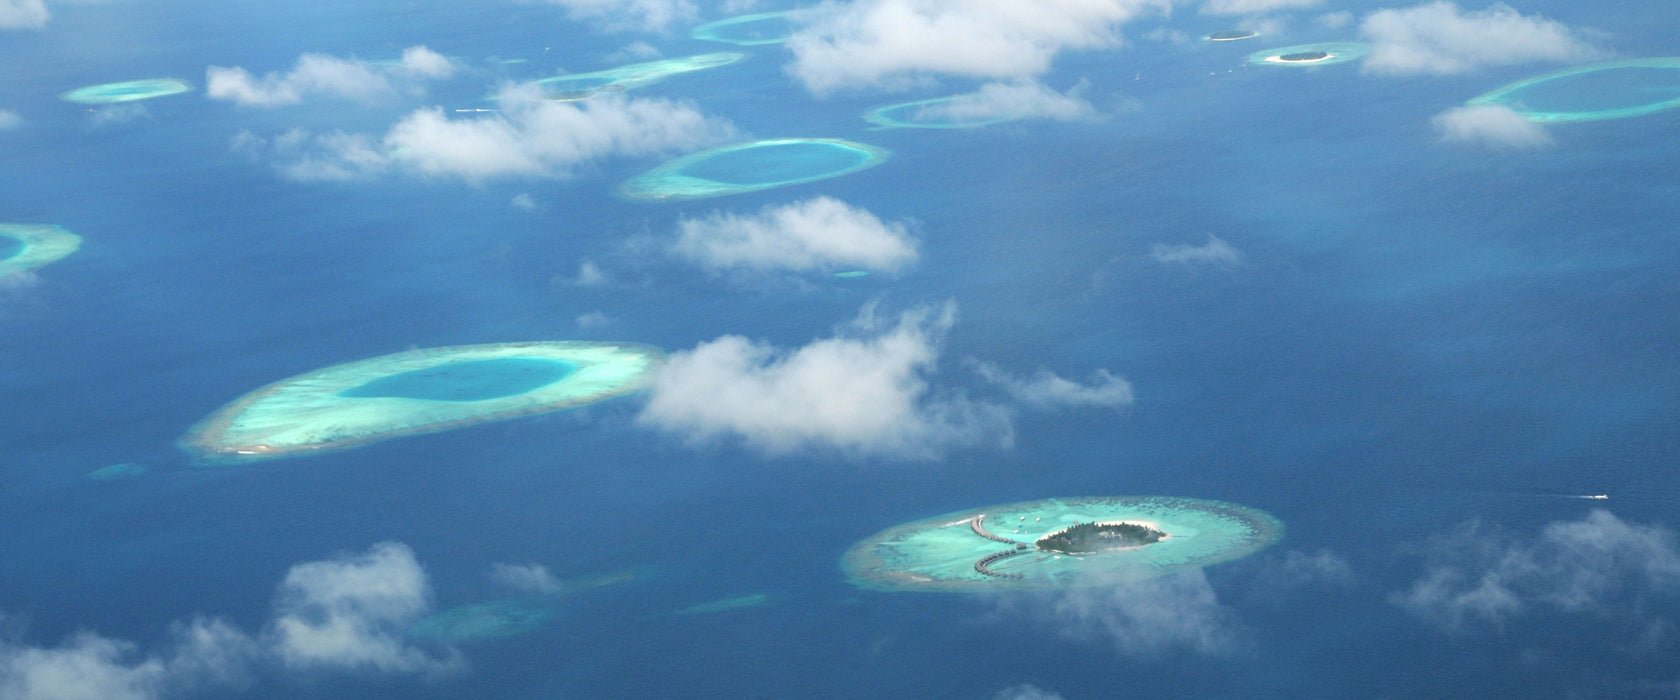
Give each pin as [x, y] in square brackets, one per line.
[1421, 334]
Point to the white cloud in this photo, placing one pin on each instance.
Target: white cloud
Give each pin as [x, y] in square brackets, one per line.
[593, 319]
[524, 201]
[526, 578]
[203, 653]
[1253, 7]
[645, 15]
[1044, 389]
[1335, 20]
[815, 234]
[1025, 692]
[350, 613]
[1438, 38]
[635, 51]
[590, 275]
[9, 120]
[118, 114]
[529, 137]
[1014, 100]
[863, 392]
[347, 613]
[421, 62]
[1214, 252]
[1599, 563]
[869, 42]
[316, 74]
[1141, 616]
[23, 14]
[1492, 124]
[85, 666]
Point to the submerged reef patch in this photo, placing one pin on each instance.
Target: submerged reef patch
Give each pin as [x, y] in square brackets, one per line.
[1612, 90]
[117, 472]
[28, 246]
[130, 91]
[937, 113]
[1309, 54]
[1027, 545]
[414, 392]
[482, 621]
[578, 86]
[747, 30]
[752, 166]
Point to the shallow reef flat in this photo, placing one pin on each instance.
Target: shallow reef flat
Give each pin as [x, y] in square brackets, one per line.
[128, 91]
[995, 548]
[493, 619]
[580, 85]
[747, 30]
[1612, 90]
[752, 166]
[28, 246]
[936, 113]
[417, 391]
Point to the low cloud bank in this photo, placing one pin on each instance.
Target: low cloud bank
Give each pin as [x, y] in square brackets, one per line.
[348, 613]
[1214, 252]
[1598, 564]
[316, 74]
[1490, 124]
[526, 578]
[867, 43]
[1253, 7]
[529, 137]
[23, 14]
[1438, 38]
[815, 234]
[1045, 389]
[1142, 617]
[865, 392]
[639, 15]
[1014, 100]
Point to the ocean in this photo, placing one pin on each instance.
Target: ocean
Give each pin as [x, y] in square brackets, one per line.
[1419, 355]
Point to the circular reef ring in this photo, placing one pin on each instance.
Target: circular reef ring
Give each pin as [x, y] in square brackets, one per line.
[418, 391]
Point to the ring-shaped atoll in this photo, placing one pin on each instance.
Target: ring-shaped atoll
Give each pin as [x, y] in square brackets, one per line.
[1612, 90]
[417, 391]
[741, 31]
[931, 114]
[752, 166]
[129, 91]
[493, 619]
[1310, 54]
[1232, 35]
[28, 246]
[577, 86]
[1027, 545]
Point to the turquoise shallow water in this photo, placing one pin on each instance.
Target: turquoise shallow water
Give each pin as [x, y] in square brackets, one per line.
[474, 380]
[9, 246]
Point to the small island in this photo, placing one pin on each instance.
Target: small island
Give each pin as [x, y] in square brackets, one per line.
[1093, 537]
[1304, 56]
[1309, 54]
[1058, 543]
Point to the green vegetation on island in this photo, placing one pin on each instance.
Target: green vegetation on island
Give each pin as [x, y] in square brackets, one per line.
[1305, 56]
[1089, 538]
